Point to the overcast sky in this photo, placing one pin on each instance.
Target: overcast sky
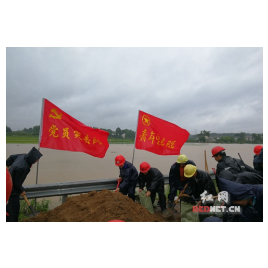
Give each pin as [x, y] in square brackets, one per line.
[214, 89]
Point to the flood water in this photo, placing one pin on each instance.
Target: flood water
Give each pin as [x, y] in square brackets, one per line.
[64, 166]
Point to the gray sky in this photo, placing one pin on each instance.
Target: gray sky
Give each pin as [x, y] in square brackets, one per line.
[214, 89]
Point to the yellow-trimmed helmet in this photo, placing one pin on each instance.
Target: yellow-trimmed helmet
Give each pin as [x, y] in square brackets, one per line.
[189, 171]
[182, 158]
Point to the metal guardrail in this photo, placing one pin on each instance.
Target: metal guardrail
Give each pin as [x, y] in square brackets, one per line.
[74, 187]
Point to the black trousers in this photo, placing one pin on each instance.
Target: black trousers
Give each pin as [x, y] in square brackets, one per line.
[13, 208]
[160, 189]
[130, 192]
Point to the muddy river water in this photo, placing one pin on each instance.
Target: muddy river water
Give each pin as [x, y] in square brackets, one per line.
[64, 166]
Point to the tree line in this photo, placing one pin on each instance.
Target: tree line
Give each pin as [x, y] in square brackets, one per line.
[119, 133]
[34, 131]
[242, 137]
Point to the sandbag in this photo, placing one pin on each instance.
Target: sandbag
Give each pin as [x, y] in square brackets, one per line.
[215, 214]
[146, 202]
[187, 214]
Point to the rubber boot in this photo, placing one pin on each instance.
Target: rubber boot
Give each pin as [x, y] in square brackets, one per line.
[170, 204]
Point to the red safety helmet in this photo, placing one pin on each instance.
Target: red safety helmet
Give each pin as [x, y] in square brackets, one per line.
[144, 167]
[216, 150]
[257, 149]
[8, 185]
[120, 160]
[115, 221]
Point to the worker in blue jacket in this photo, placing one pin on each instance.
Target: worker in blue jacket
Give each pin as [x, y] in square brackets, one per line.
[177, 180]
[19, 165]
[257, 165]
[258, 162]
[249, 197]
[128, 177]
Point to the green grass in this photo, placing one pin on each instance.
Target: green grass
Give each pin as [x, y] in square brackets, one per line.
[22, 139]
[42, 206]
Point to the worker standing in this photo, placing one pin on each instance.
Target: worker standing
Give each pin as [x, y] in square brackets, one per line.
[257, 164]
[19, 165]
[177, 180]
[128, 177]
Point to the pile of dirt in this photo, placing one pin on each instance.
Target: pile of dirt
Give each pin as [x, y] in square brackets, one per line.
[100, 206]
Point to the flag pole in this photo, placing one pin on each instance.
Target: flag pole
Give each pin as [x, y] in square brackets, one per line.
[135, 137]
[40, 136]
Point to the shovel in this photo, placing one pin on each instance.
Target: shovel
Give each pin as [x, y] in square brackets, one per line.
[169, 211]
[28, 203]
[117, 185]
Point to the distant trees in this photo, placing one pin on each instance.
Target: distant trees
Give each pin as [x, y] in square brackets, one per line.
[258, 138]
[118, 132]
[202, 139]
[8, 129]
[129, 134]
[203, 135]
[226, 140]
[34, 131]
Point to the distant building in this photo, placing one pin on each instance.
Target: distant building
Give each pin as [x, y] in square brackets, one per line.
[249, 138]
[210, 139]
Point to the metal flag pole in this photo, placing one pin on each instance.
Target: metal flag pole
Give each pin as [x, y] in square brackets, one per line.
[135, 137]
[40, 136]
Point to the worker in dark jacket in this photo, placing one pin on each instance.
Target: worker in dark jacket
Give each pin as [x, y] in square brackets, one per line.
[128, 177]
[199, 185]
[199, 181]
[234, 166]
[258, 159]
[19, 165]
[8, 185]
[243, 177]
[177, 180]
[248, 197]
[153, 179]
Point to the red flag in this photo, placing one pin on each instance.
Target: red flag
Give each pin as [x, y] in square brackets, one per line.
[159, 136]
[60, 131]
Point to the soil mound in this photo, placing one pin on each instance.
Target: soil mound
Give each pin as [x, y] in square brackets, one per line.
[100, 206]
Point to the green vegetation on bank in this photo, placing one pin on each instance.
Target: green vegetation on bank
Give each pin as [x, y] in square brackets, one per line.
[35, 140]
[127, 136]
[42, 206]
[22, 139]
